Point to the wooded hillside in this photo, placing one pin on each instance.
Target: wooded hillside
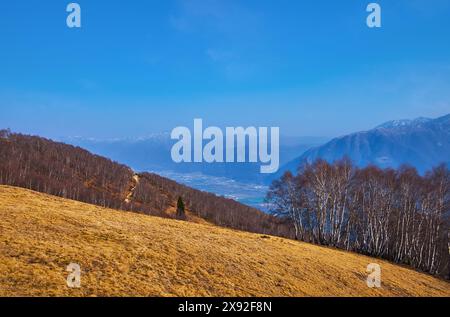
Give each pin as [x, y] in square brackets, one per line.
[70, 172]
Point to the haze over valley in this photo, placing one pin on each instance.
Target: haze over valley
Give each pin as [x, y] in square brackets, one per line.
[422, 143]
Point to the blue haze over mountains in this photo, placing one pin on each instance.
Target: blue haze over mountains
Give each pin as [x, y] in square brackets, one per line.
[422, 143]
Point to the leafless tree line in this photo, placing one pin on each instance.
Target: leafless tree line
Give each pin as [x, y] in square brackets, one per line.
[393, 214]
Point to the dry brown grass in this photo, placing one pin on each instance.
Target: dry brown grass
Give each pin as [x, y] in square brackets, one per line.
[126, 254]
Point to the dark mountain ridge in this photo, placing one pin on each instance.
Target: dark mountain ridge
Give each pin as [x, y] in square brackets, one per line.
[422, 143]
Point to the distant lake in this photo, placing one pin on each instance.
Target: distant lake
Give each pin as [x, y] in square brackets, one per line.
[245, 193]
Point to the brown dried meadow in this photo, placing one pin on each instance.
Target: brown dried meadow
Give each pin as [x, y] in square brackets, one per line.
[128, 254]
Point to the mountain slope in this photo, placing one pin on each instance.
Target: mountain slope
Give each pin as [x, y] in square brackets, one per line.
[125, 254]
[71, 172]
[423, 143]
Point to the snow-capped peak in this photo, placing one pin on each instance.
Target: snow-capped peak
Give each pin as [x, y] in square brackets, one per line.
[403, 123]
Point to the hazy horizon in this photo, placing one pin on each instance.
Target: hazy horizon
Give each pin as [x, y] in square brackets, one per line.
[312, 68]
[294, 139]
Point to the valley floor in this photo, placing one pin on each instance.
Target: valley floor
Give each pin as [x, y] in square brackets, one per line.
[127, 254]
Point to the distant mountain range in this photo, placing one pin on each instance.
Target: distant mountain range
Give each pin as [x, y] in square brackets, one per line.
[422, 143]
[152, 153]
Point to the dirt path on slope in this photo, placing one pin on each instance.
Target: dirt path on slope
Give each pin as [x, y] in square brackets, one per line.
[135, 181]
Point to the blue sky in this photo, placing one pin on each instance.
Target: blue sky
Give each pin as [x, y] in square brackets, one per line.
[311, 67]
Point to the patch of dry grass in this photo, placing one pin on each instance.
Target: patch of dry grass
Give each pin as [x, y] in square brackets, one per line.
[127, 254]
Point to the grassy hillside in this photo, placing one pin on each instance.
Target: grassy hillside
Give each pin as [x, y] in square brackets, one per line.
[128, 254]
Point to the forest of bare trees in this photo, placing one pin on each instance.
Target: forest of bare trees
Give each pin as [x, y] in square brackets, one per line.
[70, 172]
[392, 214]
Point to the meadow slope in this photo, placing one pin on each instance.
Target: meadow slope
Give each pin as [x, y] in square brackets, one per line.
[128, 254]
